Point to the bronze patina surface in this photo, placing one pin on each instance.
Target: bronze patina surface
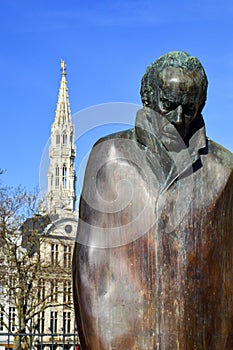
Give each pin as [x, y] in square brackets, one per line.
[153, 261]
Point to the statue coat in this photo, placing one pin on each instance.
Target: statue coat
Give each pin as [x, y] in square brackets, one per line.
[153, 259]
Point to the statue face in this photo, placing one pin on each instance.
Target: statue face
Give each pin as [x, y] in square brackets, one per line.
[178, 99]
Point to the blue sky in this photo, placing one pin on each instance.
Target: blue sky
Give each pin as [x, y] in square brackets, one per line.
[107, 47]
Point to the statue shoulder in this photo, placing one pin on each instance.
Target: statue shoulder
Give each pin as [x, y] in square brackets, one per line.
[220, 154]
[111, 146]
[125, 134]
[107, 151]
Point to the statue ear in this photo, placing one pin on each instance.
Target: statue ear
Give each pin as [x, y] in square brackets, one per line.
[149, 97]
[202, 105]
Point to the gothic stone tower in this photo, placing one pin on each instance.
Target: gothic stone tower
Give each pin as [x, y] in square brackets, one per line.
[61, 174]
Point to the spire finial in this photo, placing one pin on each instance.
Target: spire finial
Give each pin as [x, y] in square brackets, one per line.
[63, 67]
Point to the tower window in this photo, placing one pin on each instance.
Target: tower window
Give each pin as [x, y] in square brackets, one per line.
[57, 139]
[64, 176]
[57, 177]
[64, 139]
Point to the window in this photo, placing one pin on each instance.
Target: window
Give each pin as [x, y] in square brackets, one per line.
[12, 319]
[57, 139]
[54, 254]
[51, 180]
[66, 322]
[67, 256]
[64, 291]
[53, 291]
[53, 321]
[41, 322]
[64, 176]
[68, 229]
[67, 292]
[1, 318]
[57, 176]
[11, 286]
[41, 289]
[64, 139]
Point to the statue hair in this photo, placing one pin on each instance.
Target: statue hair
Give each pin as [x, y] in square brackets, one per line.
[178, 59]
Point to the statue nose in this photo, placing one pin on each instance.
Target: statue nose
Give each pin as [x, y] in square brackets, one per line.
[178, 115]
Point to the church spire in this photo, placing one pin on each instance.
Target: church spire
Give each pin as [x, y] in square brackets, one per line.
[63, 105]
[61, 174]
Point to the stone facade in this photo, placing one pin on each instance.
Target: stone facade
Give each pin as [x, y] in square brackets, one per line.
[58, 248]
[56, 230]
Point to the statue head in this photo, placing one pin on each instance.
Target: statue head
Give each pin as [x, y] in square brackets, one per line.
[176, 87]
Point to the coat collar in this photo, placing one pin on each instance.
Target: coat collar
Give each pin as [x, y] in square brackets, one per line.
[148, 131]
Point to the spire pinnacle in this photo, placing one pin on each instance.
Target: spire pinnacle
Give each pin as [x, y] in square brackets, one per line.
[63, 67]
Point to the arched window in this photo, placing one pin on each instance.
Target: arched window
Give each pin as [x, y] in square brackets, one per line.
[57, 177]
[57, 139]
[64, 139]
[64, 176]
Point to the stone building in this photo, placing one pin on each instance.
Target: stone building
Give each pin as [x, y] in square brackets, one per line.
[53, 325]
[60, 207]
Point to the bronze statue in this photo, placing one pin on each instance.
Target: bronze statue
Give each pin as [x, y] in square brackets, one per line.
[153, 261]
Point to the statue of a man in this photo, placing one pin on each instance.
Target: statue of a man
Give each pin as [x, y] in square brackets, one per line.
[153, 261]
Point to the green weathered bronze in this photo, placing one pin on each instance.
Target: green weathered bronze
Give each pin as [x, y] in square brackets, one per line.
[153, 261]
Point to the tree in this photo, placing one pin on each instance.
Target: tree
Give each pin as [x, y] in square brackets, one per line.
[23, 233]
